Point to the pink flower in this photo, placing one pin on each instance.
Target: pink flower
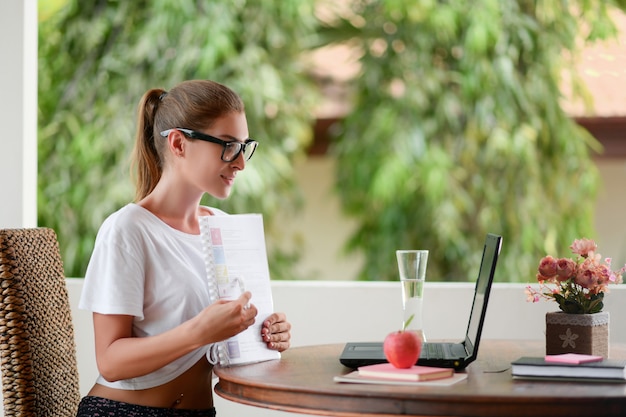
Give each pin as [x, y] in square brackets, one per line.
[604, 274]
[565, 269]
[531, 295]
[587, 276]
[547, 268]
[582, 247]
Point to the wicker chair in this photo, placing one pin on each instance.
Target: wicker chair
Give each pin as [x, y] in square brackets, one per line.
[37, 346]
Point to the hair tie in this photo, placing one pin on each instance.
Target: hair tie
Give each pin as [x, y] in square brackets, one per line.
[162, 96]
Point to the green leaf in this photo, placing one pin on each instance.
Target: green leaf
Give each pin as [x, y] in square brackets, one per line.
[406, 323]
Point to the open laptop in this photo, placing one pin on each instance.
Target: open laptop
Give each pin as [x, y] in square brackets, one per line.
[442, 354]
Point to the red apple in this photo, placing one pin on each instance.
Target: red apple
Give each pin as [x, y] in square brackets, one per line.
[402, 348]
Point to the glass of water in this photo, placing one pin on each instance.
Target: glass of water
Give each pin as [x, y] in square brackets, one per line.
[412, 269]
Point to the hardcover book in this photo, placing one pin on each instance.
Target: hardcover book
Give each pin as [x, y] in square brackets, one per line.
[236, 261]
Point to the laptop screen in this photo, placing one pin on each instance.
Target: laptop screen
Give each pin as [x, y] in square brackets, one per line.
[481, 294]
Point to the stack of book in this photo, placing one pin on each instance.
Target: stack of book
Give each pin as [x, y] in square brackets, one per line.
[569, 367]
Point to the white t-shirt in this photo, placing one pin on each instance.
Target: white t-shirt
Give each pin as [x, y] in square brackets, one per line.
[142, 267]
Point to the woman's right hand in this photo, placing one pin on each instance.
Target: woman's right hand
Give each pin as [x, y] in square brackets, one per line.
[224, 319]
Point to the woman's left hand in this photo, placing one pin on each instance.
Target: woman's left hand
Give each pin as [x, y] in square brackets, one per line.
[275, 332]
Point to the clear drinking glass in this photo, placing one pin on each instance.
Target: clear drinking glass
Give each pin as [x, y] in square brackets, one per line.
[412, 269]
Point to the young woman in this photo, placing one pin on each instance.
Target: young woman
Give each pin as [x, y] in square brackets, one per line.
[146, 283]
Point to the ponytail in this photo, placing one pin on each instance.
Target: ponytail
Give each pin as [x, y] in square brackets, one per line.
[147, 155]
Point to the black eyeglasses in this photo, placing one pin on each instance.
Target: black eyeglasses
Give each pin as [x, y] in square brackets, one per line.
[231, 149]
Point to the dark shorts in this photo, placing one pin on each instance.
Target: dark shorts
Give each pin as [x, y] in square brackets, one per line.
[103, 407]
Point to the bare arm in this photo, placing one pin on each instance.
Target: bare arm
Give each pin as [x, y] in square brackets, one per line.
[119, 355]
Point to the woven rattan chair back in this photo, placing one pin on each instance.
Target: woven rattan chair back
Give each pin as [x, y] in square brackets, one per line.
[37, 346]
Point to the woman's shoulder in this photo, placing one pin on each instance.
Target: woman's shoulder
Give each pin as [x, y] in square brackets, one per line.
[127, 216]
[130, 220]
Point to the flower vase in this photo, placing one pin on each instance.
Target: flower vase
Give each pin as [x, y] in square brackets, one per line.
[577, 333]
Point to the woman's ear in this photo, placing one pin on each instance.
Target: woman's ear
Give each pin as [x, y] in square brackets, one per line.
[176, 142]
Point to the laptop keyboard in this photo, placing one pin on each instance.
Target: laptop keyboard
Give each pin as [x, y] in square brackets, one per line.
[436, 350]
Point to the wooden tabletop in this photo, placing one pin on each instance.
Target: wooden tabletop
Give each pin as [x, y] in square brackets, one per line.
[302, 382]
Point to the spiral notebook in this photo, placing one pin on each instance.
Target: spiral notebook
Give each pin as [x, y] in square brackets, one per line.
[236, 261]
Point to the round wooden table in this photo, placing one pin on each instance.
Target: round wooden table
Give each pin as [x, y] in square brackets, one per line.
[302, 382]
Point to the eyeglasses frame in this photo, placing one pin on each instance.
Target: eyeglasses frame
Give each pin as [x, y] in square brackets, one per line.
[193, 134]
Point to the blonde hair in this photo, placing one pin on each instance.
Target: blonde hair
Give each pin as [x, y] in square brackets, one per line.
[193, 104]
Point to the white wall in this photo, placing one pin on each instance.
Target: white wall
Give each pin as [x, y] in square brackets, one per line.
[340, 311]
[18, 113]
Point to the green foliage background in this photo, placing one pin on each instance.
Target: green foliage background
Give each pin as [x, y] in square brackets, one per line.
[458, 104]
[97, 58]
[456, 128]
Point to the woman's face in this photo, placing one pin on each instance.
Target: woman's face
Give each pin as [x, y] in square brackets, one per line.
[203, 167]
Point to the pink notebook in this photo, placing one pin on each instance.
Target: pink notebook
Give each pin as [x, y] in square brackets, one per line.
[414, 373]
[573, 358]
